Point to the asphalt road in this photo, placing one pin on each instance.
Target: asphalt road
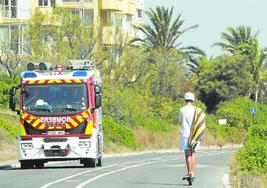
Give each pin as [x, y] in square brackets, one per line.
[157, 170]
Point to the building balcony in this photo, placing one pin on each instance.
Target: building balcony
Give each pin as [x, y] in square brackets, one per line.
[116, 5]
[78, 5]
[138, 22]
[45, 10]
[112, 35]
[109, 33]
[131, 8]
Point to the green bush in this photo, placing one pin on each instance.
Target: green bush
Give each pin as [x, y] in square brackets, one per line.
[155, 124]
[236, 112]
[6, 84]
[257, 131]
[9, 129]
[118, 134]
[253, 156]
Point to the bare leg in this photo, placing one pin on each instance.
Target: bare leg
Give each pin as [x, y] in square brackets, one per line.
[188, 160]
[190, 157]
[193, 161]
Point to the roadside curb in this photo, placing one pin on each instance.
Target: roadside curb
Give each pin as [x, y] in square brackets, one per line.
[8, 165]
[140, 153]
[227, 146]
[14, 164]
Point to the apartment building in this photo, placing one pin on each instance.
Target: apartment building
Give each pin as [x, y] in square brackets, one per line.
[112, 14]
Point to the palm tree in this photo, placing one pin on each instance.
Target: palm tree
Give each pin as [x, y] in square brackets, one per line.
[234, 38]
[241, 41]
[161, 37]
[257, 57]
[162, 32]
[192, 57]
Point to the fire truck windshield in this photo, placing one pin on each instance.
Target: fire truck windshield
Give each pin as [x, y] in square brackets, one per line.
[55, 99]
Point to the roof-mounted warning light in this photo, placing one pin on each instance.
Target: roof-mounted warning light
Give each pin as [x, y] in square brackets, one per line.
[42, 66]
[59, 68]
[80, 65]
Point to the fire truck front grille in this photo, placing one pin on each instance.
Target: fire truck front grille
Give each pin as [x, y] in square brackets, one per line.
[48, 140]
[52, 153]
[56, 151]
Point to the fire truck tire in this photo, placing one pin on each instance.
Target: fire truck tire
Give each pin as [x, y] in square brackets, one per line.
[99, 161]
[89, 163]
[39, 164]
[26, 164]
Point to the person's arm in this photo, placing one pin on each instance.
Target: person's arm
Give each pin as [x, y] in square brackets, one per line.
[180, 117]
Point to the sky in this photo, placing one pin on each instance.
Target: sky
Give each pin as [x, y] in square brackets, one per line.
[213, 17]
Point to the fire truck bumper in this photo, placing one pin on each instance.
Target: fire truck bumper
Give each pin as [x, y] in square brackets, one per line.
[53, 149]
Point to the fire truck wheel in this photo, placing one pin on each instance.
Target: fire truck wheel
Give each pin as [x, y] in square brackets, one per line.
[26, 164]
[39, 164]
[99, 161]
[89, 163]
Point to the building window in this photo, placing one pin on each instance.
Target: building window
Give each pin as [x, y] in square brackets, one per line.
[9, 8]
[14, 30]
[118, 20]
[43, 3]
[139, 13]
[71, 1]
[110, 18]
[88, 16]
[75, 12]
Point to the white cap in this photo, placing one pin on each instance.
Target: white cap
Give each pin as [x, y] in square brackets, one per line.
[39, 102]
[189, 96]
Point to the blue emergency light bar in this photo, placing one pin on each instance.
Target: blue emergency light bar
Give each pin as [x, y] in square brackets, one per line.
[80, 73]
[29, 75]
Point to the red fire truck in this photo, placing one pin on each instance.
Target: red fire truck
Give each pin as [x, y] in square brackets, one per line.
[60, 114]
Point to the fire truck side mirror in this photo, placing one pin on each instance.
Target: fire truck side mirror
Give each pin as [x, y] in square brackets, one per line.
[12, 98]
[98, 100]
[98, 89]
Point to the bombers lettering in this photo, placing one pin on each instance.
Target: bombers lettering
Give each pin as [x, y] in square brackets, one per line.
[54, 120]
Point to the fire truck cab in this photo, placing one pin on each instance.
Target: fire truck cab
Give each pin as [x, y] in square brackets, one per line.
[60, 114]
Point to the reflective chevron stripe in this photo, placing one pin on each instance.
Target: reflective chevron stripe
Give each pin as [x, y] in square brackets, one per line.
[55, 81]
[75, 121]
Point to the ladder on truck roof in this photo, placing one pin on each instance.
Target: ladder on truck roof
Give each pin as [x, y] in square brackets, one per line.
[81, 65]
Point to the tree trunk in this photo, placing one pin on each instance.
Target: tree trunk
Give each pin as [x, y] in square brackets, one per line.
[256, 93]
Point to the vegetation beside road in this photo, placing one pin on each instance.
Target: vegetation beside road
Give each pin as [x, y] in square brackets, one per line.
[144, 82]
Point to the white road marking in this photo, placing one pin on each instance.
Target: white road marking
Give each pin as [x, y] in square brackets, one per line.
[84, 172]
[153, 160]
[73, 181]
[74, 175]
[226, 181]
[112, 172]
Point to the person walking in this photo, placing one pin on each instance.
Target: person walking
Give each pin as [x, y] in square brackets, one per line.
[192, 120]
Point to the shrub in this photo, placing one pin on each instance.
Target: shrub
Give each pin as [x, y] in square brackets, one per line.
[9, 129]
[257, 131]
[6, 84]
[155, 124]
[253, 157]
[236, 112]
[118, 134]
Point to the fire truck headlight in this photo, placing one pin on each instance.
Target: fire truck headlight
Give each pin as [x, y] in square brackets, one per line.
[26, 145]
[84, 144]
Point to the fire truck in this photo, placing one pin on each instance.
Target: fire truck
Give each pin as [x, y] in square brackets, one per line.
[60, 114]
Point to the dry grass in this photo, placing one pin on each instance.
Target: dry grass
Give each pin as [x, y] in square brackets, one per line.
[8, 150]
[149, 140]
[239, 180]
[112, 148]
